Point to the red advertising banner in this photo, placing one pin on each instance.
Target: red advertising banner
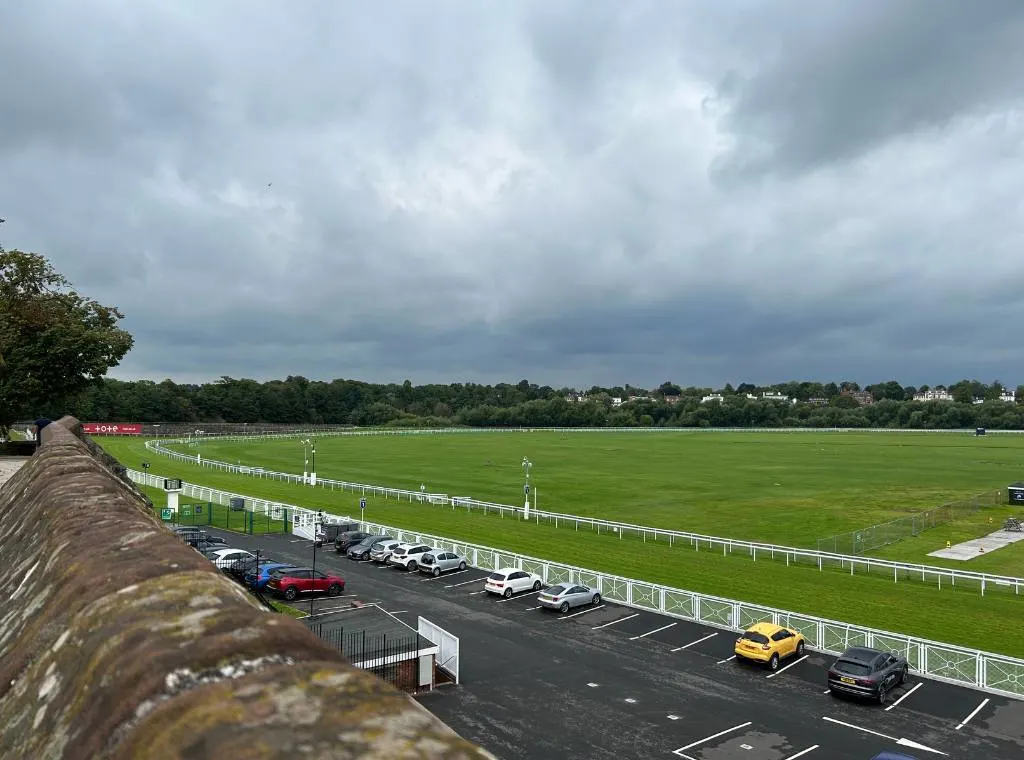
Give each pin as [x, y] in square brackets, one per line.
[111, 428]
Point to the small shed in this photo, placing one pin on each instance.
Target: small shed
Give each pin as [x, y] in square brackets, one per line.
[1015, 491]
[373, 639]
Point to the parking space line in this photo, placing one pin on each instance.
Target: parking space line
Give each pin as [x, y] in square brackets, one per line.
[584, 612]
[974, 712]
[520, 596]
[642, 635]
[783, 670]
[628, 617]
[465, 583]
[902, 741]
[802, 752]
[439, 577]
[917, 686]
[481, 591]
[709, 738]
[726, 660]
[687, 646]
[531, 608]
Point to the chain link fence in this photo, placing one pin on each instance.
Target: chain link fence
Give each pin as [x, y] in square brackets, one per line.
[883, 534]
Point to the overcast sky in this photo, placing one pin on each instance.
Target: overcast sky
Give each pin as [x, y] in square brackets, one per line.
[572, 192]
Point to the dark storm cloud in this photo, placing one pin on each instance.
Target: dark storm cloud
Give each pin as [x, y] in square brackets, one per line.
[469, 191]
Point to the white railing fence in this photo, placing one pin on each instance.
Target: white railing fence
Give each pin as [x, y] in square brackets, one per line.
[758, 551]
[447, 644]
[946, 662]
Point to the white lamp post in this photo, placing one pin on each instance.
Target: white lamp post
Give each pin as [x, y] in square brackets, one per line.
[527, 464]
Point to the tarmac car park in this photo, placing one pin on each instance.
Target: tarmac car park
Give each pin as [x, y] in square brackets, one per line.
[648, 685]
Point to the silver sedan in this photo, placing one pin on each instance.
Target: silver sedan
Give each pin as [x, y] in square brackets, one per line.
[565, 596]
[435, 563]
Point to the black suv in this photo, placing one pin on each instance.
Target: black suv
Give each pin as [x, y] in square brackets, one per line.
[347, 539]
[865, 672]
[327, 533]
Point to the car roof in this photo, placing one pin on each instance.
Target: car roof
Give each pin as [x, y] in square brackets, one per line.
[765, 627]
[861, 654]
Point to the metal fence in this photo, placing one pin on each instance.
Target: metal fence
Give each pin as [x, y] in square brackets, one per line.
[391, 658]
[851, 563]
[883, 534]
[960, 665]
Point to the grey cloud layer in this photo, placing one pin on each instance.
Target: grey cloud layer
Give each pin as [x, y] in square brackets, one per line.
[580, 193]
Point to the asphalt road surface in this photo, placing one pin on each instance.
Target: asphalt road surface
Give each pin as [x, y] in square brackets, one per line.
[616, 682]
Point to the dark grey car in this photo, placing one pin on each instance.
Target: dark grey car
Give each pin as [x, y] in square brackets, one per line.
[866, 672]
[363, 548]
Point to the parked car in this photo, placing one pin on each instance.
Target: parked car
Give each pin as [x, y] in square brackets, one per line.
[565, 596]
[382, 551]
[770, 643]
[289, 582]
[406, 555]
[866, 672]
[327, 533]
[434, 562]
[511, 581]
[257, 579]
[363, 548]
[225, 557]
[197, 538]
[347, 539]
[886, 755]
[240, 567]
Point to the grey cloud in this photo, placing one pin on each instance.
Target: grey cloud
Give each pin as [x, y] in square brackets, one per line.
[487, 192]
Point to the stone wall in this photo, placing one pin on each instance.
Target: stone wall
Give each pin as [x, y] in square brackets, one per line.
[119, 641]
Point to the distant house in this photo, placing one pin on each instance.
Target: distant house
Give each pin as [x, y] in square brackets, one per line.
[818, 401]
[713, 397]
[616, 401]
[864, 398]
[1010, 397]
[780, 397]
[936, 394]
[672, 400]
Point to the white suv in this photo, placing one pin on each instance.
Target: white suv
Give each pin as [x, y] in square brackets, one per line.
[511, 581]
[405, 555]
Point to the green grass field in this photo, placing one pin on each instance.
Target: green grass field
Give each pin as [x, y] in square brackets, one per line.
[958, 615]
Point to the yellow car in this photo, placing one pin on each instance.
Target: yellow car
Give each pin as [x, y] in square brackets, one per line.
[767, 642]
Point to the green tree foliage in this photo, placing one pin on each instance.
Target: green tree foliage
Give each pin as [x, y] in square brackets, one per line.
[54, 342]
[297, 400]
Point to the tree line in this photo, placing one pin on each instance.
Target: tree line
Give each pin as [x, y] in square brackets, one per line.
[297, 400]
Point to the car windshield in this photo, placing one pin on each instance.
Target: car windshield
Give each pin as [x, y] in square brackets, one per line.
[754, 636]
[853, 668]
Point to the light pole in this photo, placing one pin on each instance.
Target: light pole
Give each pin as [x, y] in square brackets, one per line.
[527, 464]
[305, 459]
[317, 527]
[309, 461]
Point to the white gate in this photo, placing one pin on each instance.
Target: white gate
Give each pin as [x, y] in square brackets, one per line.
[448, 646]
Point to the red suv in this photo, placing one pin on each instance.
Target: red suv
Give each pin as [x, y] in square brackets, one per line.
[289, 582]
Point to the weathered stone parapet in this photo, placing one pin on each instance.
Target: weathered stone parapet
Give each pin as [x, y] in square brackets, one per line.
[119, 641]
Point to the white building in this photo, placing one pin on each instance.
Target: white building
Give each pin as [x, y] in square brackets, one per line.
[773, 396]
[713, 397]
[936, 394]
[1010, 397]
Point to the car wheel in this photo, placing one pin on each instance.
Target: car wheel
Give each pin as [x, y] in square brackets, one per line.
[773, 662]
[536, 585]
[437, 571]
[799, 649]
[564, 608]
[903, 675]
[290, 593]
[881, 693]
[462, 566]
[333, 590]
[508, 593]
[411, 566]
[597, 599]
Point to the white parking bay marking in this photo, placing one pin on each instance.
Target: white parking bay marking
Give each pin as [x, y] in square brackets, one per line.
[628, 617]
[481, 591]
[726, 660]
[584, 612]
[439, 577]
[783, 670]
[466, 583]
[709, 738]
[687, 646]
[642, 635]
[974, 712]
[916, 687]
[901, 741]
[531, 608]
[803, 752]
[520, 596]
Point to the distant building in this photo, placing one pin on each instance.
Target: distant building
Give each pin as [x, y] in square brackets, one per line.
[780, 397]
[1010, 397]
[818, 401]
[616, 401]
[864, 398]
[713, 397]
[672, 400]
[936, 394]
